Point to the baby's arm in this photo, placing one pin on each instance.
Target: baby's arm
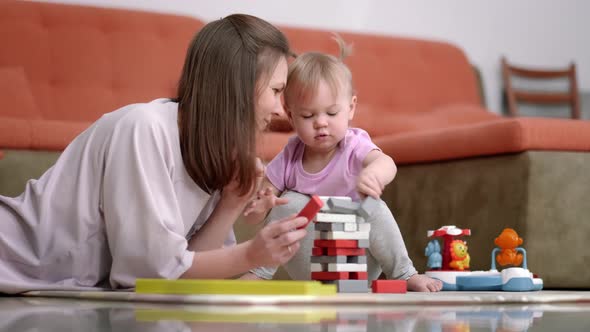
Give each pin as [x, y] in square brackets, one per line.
[265, 199]
[378, 171]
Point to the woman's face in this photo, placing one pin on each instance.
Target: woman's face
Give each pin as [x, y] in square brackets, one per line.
[269, 101]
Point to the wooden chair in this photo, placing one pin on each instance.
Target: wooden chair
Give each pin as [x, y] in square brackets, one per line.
[514, 95]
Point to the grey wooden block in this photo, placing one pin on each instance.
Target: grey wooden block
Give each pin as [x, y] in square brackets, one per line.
[332, 227]
[367, 207]
[343, 326]
[363, 243]
[338, 205]
[350, 286]
[318, 267]
[330, 259]
[355, 259]
[352, 316]
[325, 199]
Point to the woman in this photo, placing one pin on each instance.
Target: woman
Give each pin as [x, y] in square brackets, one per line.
[152, 190]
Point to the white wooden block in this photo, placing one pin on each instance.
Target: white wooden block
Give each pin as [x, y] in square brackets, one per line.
[326, 198]
[334, 267]
[365, 227]
[332, 217]
[342, 235]
[350, 227]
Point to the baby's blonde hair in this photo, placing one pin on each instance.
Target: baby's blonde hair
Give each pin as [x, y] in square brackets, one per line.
[308, 69]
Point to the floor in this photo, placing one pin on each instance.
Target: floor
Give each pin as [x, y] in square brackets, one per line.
[448, 311]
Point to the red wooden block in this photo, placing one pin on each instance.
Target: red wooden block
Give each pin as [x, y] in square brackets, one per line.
[389, 286]
[318, 251]
[311, 209]
[329, 275]
[358, 276]
[344, 251]
[336, 243]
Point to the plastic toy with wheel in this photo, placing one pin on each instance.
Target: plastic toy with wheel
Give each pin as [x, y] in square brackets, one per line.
[512, 279]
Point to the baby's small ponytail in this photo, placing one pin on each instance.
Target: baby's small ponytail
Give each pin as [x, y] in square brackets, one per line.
[345, 49]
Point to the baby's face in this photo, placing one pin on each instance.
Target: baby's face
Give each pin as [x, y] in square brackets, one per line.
[322, 121]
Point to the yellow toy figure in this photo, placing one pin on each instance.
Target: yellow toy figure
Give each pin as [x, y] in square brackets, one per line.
[459, 256]
[508, 241]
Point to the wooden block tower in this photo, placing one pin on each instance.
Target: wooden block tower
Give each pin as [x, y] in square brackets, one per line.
[341, 239]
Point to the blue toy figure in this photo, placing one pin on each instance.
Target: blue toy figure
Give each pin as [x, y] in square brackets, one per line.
[433, 253]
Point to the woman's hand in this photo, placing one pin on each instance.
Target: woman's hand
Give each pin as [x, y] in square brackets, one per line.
[231, 191]
[276, 243]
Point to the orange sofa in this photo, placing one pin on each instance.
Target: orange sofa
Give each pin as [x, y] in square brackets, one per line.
[419, 99]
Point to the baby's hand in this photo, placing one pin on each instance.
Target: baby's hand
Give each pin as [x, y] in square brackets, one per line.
[368, 184]
[264, 201]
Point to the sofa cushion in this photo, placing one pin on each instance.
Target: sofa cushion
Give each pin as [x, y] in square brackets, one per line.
[379, 122]
[491, 137]
[271, 143]
[52, 135]
[85, 61]
[17, 100]
[15, 133]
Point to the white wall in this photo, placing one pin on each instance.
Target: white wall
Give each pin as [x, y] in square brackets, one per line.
[532, 32]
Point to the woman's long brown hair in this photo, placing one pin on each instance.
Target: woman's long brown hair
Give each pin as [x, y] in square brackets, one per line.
[217, 90]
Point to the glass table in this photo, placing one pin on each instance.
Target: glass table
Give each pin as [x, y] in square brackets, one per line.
[67, 314]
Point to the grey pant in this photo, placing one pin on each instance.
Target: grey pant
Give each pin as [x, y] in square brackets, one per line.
[387, 251]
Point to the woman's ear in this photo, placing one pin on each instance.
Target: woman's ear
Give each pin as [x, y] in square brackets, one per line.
[352, 108]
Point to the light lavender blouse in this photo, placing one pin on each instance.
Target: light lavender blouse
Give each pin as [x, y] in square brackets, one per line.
[117, 205]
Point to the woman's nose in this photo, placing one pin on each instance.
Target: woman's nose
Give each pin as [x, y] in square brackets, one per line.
[279, 110]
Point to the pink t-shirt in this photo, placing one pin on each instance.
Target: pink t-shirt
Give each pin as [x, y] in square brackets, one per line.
[338, 178]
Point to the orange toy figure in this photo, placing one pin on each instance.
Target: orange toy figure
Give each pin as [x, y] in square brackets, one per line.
[508, 241]
[459, 256]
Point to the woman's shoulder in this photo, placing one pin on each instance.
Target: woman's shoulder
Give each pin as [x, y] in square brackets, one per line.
[157, 114]
[158, 111]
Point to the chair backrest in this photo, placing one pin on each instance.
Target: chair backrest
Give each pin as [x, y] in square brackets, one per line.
[515, 95]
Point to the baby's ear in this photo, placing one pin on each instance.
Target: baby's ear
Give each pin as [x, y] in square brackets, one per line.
[288, 112]
[352, 108]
